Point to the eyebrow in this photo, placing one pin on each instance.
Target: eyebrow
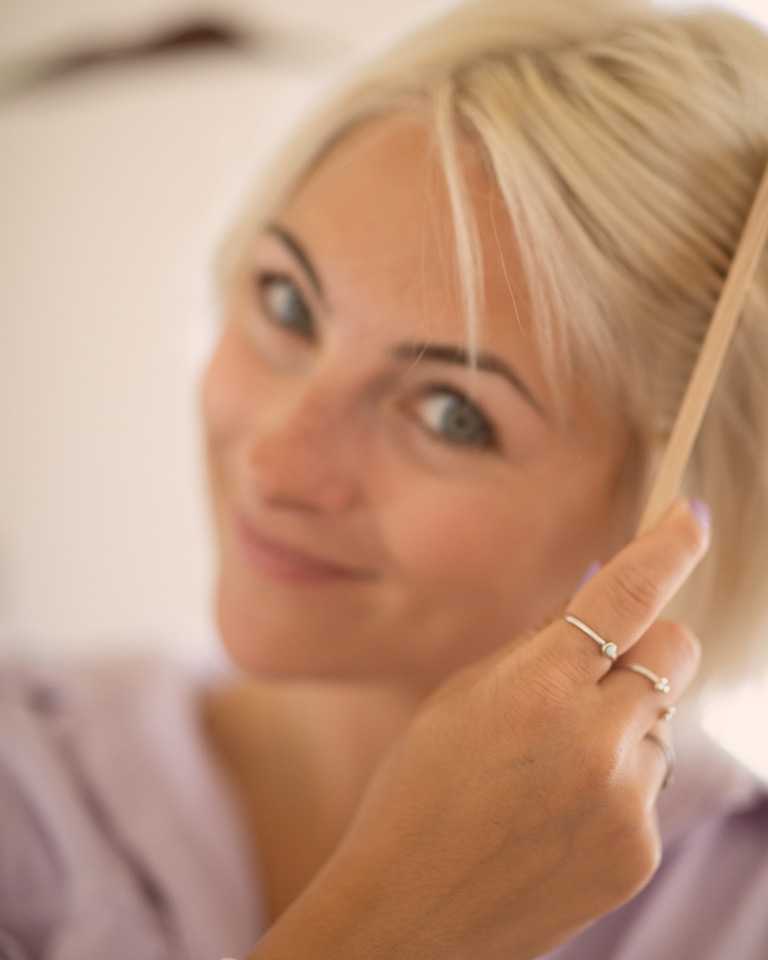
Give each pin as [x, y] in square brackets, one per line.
[460, 356]
[290, 241]
[435, 352]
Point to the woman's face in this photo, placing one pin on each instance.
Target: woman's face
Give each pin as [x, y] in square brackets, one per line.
[342, 422]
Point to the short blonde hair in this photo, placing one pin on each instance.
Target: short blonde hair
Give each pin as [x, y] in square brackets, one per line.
[628, 143]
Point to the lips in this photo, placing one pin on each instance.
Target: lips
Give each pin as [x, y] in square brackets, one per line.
[281, 560]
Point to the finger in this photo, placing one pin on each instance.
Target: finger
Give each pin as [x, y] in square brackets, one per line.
[671, 652]
[655, 761]
[627, 595]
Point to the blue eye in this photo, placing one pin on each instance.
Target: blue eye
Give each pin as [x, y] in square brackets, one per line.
[456, 419]
[284, 304]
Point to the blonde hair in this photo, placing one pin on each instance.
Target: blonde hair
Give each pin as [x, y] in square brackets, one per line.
[627, 142]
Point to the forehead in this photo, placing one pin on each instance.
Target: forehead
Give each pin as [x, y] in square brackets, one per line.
[375, 217]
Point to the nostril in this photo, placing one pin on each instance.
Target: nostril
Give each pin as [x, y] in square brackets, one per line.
[301, 476]
[302, 452]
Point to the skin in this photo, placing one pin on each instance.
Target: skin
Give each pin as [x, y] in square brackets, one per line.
[505, 819]
[327, 442]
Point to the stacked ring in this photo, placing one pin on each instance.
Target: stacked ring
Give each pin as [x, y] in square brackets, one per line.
[608, 649]
[611, 651]
[660, 684]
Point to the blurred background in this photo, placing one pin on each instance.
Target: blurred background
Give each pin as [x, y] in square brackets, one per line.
[128, 133]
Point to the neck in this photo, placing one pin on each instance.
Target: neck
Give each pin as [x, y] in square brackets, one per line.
[301, 756]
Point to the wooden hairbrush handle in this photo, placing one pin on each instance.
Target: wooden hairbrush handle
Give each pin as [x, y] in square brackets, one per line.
[667, 483]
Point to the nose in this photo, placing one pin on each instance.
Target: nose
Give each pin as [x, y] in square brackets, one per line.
[304, 452]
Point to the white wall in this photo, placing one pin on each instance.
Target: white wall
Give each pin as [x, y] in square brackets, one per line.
[112, 195]
[757, 9]
[114, 188]
[111, 198]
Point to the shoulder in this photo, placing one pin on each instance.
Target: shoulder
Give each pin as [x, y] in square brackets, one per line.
[32, 872]
[712, 887]
[707, 899]
[48, 808]
[714, 791]
[113, 816]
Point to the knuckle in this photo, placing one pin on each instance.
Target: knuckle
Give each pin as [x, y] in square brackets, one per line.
[556, 675]
[553, 688]
[550, 675]
[634, 591]
[683, 638]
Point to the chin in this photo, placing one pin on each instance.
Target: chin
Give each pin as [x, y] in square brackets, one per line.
[273, 649]
[269, 648]
[262, 650]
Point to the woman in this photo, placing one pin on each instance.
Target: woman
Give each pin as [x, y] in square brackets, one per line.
[457, 323]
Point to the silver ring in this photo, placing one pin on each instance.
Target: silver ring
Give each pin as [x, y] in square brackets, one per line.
[669, 757]
[659, 683]
[609, 650]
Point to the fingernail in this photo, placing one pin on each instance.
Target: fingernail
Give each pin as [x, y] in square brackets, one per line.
[590, 572]
[702, 512]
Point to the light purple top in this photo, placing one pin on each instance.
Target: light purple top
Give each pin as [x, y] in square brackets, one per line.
[120, 837]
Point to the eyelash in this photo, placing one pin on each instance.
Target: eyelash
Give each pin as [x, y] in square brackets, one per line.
[262, 281]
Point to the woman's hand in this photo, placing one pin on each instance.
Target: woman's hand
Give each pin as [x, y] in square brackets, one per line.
[519, 805]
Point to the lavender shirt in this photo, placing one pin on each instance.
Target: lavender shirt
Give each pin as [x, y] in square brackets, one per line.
[120, 836]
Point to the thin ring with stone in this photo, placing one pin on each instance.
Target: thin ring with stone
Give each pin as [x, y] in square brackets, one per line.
[607, 648]
[669, 757]
[661, 684]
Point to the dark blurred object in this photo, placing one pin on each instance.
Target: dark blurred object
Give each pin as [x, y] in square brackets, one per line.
[191, 35]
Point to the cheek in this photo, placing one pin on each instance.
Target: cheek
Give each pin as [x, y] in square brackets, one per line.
[220, 389]
[225, 403]
[459, 566]
[444, 537]
[488, 565]
[230, 390]
[468, 547]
